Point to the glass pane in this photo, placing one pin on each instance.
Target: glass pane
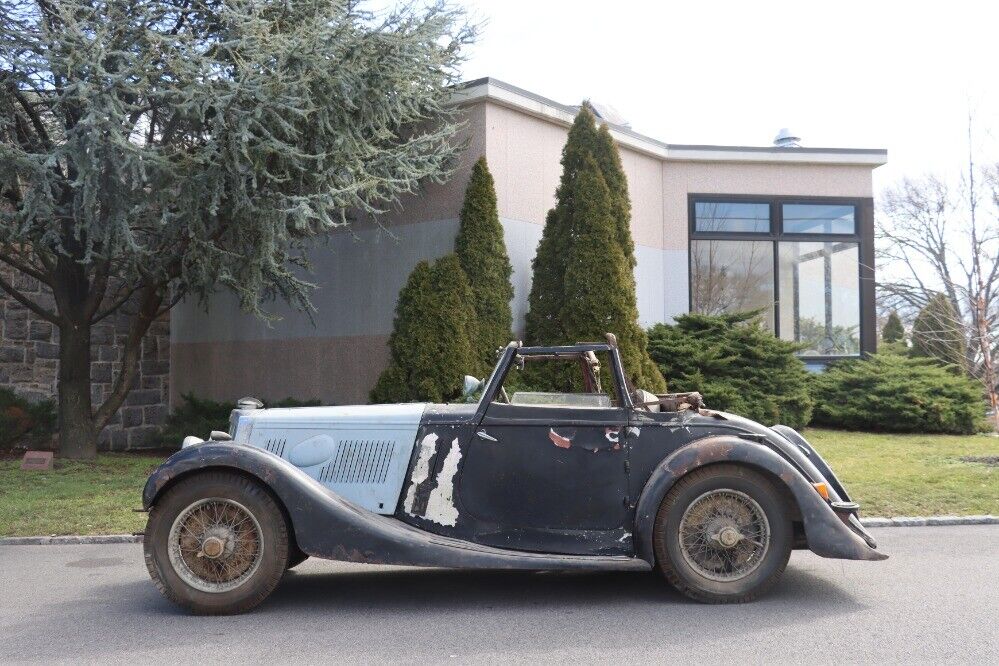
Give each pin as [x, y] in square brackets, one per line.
[731, 217]
[571, 380]
[819, 219]
[820, 297]
[732, 276]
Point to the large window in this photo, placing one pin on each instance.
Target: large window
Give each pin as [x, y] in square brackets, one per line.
[798, 262]
[733, 276]
[820, 297]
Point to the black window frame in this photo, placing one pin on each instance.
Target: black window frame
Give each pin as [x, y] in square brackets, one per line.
[863, 236]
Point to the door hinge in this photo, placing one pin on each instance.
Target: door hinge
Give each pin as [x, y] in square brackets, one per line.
[627, 467]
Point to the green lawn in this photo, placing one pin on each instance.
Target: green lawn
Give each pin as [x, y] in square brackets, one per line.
[913, 475]
[75, 497]
[890, 475]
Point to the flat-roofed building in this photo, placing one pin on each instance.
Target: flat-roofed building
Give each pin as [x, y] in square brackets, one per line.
[783, 228]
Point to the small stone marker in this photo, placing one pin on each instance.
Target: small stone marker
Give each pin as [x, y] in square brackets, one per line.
[37, 460]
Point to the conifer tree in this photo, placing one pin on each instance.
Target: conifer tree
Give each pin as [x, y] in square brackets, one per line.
[893, 330]
[599, 284]
[548, 266]
[609, 160]
[482, 254]
[586, 256]
[431, 342]
[155, 150]
[937, 332]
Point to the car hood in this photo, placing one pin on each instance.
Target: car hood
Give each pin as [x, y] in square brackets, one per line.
[347, 415]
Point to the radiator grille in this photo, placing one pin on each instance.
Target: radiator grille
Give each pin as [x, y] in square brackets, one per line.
[359, 461]
[276, 446]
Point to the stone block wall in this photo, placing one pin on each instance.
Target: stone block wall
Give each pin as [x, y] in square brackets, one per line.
[29, 364]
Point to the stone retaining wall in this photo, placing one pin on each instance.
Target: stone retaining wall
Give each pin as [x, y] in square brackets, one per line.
[29, 364]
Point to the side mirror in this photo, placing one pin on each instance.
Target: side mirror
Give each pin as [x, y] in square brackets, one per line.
[470, 386]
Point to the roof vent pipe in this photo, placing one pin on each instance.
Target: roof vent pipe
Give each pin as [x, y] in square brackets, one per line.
[786, 139]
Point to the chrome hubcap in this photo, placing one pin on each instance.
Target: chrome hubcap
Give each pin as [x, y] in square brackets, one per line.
[215, 545]
[724, 535]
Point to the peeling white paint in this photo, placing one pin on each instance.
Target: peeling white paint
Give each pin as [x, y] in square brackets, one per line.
[612, 434]
[634, 431]
[428, 446]
[440, 506]
[625, 537]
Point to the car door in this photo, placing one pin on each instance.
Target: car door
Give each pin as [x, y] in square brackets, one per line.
[548, 477]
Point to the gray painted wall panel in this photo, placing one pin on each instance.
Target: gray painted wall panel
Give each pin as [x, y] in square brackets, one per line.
[359, 280]
[521, 240]
[360, 277]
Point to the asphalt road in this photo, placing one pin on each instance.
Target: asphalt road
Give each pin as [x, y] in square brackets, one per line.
[936, 600]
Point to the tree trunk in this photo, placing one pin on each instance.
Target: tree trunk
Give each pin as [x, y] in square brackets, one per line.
[77, 435]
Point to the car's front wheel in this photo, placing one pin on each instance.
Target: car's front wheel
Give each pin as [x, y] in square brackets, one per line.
[723, 534]
[216, 543]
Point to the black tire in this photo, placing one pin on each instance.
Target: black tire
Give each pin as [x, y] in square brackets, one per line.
[270, 559]
[681, 570]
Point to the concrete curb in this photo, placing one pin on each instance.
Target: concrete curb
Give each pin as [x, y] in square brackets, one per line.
[71, 540]
[918, 521]
[929, 521]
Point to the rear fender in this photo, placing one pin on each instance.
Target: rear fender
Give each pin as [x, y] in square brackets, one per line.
[826, 533]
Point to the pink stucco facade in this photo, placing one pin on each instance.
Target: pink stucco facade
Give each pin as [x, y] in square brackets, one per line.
[224, 354]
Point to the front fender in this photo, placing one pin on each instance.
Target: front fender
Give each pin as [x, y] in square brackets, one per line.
[826, 533]
[327, 525]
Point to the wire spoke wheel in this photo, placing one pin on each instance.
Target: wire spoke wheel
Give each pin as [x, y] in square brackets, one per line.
[724, 535]
[215, 545]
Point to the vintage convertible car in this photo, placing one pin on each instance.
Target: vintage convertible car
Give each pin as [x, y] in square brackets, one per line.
[511, 479]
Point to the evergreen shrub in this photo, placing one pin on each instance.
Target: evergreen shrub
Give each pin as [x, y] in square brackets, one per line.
[431, 346]
[894, 393]
[736, 364]
[25, 422]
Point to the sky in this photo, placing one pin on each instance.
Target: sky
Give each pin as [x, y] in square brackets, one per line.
[876, 74]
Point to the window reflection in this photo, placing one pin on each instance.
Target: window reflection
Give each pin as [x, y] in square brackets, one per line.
[719, 216]
[732, 276]
[818, 219]
[820, 296]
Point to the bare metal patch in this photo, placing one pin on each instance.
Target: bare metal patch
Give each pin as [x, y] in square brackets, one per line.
[428, 446]
[558, 440]
[632, 430]
[440, 506]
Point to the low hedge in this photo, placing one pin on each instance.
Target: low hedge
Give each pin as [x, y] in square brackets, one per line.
[199, 416]
[895, 393]
[25, 422]
[736, 364]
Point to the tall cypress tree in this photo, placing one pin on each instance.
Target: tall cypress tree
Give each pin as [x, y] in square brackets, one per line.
[482, 254]
[549, 263]
[431, 341]
[609, 160]
[571, 246]
[599, 283]
[937, 332]
[893, 330]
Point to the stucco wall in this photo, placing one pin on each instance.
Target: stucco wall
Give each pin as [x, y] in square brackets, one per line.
[338, 356]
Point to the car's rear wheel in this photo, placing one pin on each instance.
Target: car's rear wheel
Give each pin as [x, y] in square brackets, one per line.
[216, 543]
[723, 534]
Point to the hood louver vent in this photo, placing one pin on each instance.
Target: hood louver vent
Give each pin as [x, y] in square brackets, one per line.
[359, 461]
[276, 446]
